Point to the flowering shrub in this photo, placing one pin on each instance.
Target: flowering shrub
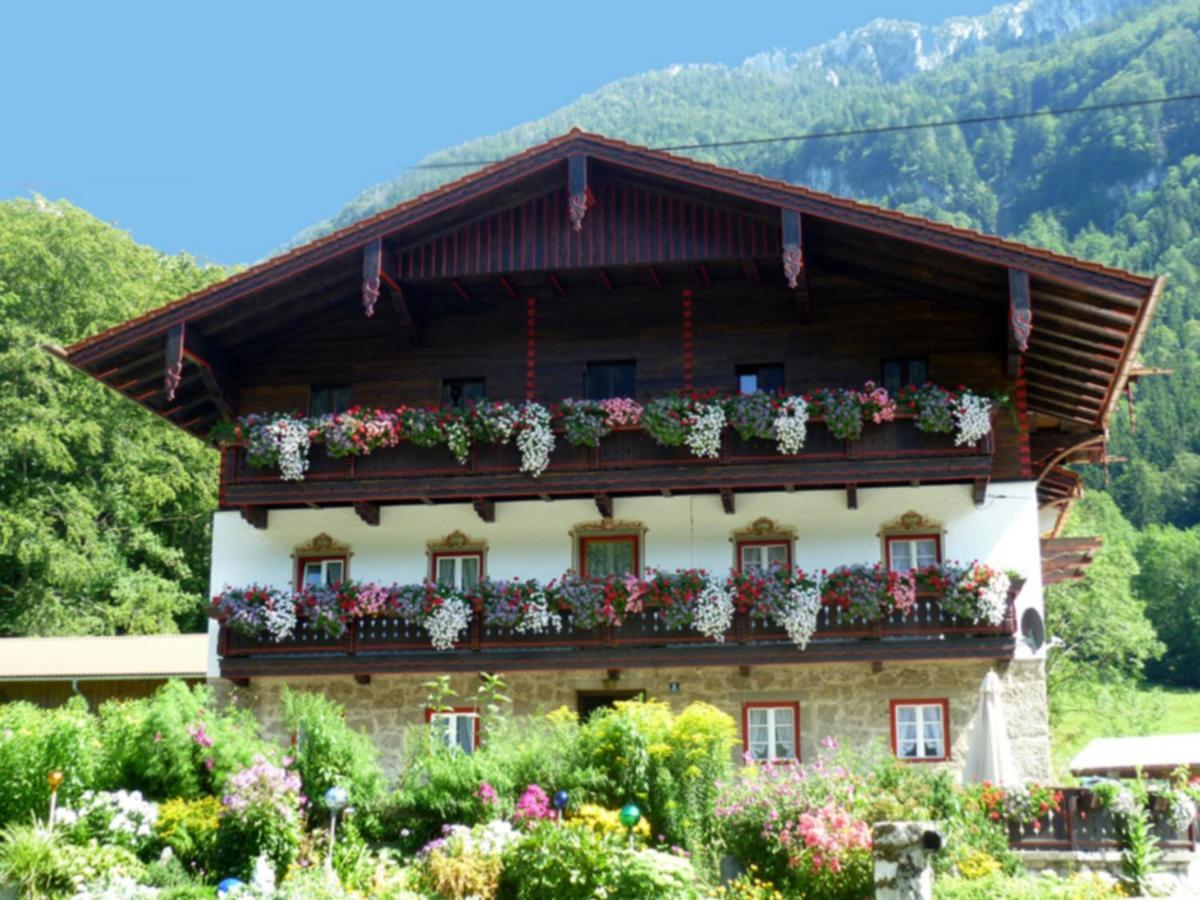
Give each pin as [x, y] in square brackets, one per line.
[533, 805]
[1024, 806]
[522, 606]
[696, 421]
[597, 601]
[124, 818]
[827, 838]
[607, 821]
[674, 594]
[465, 862]
[975, 591]
[261, 816]
[865, 590]
[258, 610]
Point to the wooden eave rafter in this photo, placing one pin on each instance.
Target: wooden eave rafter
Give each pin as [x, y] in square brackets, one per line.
[1086, 307]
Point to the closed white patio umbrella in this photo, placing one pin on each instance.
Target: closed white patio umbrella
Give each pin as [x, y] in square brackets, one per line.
[988, 757]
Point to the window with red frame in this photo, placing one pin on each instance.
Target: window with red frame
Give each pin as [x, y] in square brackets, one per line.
[601, 555]
[314, 571]
[912, 551]
[458, 727]
[457, 570]
[921, 729]
[771, 731]
[761, 556]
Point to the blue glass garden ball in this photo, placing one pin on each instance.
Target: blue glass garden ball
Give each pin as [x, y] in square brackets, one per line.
[561, 798]
[336, 798]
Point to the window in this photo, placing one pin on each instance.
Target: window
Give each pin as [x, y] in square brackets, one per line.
[912, 551]
[461, 392]
[458, 727]
[318, 571]
[608, 555]
[900, 372]
[919, 729]
[760, 556]
[328, 399]
[767, 378]
[459, 570]
[589, 702]
[610, 379]
[771, 731]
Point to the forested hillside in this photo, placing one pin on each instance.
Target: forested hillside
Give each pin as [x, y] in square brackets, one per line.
[102, 531]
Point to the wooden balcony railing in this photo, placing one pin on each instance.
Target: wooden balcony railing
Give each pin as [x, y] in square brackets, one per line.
[924, 630]
[1083, 825]
[627, 461]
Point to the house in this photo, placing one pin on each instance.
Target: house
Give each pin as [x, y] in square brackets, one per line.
[49, 671]
[372, 534]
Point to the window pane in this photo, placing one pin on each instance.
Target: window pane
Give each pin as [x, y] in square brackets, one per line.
[776, 554]
[906, 714]
[606, 380]
[447, 570]
[609, 557]
[770, 378]
[460, 392]
[785, 735]
[917, 372]
[747, 382]
[465, 737]
[334, 571]
[901, 555]
[470, 572]
[907, 749]
[893, 375]
[329, 399]
[752, 560]
[926, 552]
[313, 574]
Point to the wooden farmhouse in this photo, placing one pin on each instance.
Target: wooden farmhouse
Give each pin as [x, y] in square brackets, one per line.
[612, 422]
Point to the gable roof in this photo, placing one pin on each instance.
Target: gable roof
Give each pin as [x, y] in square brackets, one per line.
[131, 656]
[1122, 297]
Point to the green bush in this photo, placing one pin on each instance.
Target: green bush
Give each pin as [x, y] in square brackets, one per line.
[40, 863]
[35, 742]
[329, 752]
[176, 743]
[189, 829]
[261, 816]
[1027, 887]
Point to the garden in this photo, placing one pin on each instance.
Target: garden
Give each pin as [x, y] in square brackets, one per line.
[177, 796]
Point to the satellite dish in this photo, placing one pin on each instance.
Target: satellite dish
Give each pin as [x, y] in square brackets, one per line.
[1033, 629]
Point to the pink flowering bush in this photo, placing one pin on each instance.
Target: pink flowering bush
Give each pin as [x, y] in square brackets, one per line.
[262, 815]
[533, 805]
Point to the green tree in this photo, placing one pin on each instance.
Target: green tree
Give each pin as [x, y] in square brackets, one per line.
[1169, 579]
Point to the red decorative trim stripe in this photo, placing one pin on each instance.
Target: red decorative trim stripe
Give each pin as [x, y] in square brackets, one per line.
[530, 348]
[688, 342]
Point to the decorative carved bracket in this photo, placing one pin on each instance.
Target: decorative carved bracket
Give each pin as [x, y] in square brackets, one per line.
[174, 360]
[255, 515]
[911, 522]
[485, 508]
[763, 529]
[727, 501]
[604, 505]
[372, 275]
[367, 511]
[578, 195]
[1020, 318]
[322, 545]
[793, 247]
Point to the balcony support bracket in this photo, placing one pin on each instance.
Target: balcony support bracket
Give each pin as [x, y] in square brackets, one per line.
[256, 516]
[485, 508]
[604, 503]
[367, 511]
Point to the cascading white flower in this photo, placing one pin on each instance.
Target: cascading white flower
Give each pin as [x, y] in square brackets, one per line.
[535, 439]
[972, 418]
[290, 439]
[447, 622]
[791, 425]
[993, 599]
[538, 618]
[799, 617]
[458, 439]
[713, 610]
[704, 430]
[279, 619]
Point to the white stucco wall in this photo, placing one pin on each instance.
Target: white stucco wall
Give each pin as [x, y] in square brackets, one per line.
[530, 538]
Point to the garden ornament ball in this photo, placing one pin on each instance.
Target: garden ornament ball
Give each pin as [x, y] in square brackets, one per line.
[630, 815]
[561, 799]
[336, 799]
[55, 779]
[228, 886]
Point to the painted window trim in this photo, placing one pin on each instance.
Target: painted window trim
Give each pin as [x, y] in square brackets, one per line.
[302, 561]
[944, 703]
[889, 539]
[584, 539]
[764, 542]
[448, 553]
[793, 705]
[456, 711]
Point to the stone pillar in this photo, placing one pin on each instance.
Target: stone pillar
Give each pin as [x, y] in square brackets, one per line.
[902, 854]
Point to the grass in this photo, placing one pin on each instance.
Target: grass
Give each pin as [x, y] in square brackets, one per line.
[1148, 710]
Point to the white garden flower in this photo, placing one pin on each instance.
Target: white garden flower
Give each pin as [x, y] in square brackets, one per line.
[704, 431]
[713, 611]
[791, 425]
[993, 599]
[458, 439]
[447, 622]
[538, 619]
[290, 439]
[799, 617]
[280, 619]
[972, 418]
[535, 439]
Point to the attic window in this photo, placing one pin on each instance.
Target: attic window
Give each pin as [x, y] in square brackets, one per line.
[611, 379]
[898, 373]
[328, 399]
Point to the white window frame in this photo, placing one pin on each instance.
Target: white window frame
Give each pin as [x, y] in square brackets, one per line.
[452, 719]
[763, 548]
[923, 716]
[324, 566]
[913, 544]
[772, 725]
[457, 558]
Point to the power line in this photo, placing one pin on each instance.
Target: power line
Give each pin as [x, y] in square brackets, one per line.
[879, 129]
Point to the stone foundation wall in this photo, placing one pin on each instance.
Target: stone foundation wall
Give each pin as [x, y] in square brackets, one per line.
[849, 701]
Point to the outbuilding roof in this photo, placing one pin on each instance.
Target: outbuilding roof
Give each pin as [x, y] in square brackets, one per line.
[1151, 753]
[132, 656]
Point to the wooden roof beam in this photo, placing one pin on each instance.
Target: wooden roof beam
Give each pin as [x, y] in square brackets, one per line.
[1095, 374]
[1124, 319]
[1105, 346]
[1072, 322]
[1095, 386]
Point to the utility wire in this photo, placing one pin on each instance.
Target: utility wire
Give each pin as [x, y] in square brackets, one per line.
[878, 129]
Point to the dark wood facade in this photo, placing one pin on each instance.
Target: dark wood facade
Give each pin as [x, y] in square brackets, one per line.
[586, 249]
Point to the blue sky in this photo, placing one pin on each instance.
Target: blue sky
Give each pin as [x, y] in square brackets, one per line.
[224, 128]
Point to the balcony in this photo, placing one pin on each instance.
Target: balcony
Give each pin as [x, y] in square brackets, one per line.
[383, 644]
[628, 461]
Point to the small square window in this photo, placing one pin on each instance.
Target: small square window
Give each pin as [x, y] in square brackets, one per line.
[898, 373]
[919, 729]
[458, 393]
[328, 399]
[917, 551]
[457, 728]
[767, 378]
[458, 570]
[610, 379]
[761, 556]
[771, 732]
[321, 571]
[604, 555]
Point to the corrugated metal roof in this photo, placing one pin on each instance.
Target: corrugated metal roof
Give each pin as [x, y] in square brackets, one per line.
[156, 655]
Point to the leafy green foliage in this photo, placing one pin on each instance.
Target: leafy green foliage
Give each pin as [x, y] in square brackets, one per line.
[1170, 581]
[35, 742]
[105, 518]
